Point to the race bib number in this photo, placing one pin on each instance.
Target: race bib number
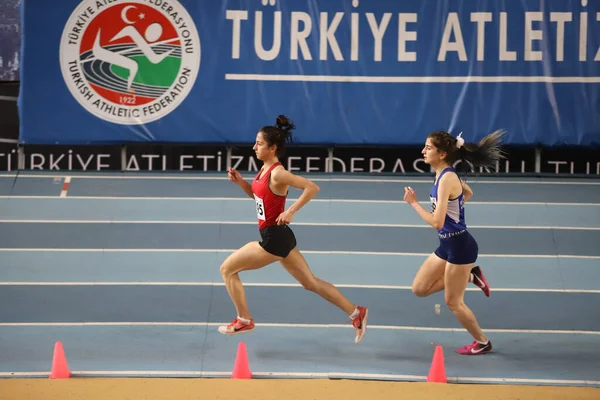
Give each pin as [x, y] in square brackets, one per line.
[260, 208]
[433, 202]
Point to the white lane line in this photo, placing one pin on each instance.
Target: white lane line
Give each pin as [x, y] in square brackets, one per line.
[370, 253]
[220, 199]
[337, 224]
[425, 179]
[288, 325]
[322, 375]
[270, 284]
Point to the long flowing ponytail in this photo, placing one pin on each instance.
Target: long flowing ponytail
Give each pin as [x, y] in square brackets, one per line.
[485, 153]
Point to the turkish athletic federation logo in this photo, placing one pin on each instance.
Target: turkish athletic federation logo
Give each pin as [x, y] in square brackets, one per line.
[130, 61]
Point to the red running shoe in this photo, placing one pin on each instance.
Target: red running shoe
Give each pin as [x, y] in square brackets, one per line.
[480, 281]
[475, 349]
[236, 327]
[360, 323]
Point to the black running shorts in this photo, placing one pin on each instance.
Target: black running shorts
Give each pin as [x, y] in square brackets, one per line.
[278, 240]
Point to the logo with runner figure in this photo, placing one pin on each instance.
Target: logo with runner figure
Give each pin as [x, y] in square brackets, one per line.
[132, 61]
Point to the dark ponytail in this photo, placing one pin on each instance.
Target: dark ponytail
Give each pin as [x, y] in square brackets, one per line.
[484, 153]
[280, 134]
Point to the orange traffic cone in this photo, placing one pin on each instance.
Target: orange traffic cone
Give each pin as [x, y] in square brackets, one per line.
[437, 372]
[60, 369]
[241, 368]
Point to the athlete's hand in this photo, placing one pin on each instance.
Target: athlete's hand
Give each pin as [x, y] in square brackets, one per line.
[285, 218]
[409, 195]
[234, 176]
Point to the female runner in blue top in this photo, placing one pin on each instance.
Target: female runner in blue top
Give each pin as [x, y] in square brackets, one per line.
[452, 265]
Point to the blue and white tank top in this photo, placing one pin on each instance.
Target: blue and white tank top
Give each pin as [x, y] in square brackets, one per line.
[455, 214]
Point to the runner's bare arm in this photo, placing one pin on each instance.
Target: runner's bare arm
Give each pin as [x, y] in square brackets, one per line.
[235, 177]
[309, 188]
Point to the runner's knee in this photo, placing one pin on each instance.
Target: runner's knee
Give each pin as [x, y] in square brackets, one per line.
[227, 269]
[453, 304]
[310, 284]
[419, 289]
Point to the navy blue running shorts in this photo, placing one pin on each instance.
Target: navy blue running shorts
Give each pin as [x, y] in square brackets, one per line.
[458, 248]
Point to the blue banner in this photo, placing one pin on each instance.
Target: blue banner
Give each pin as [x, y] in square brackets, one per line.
[346, 71]
[10, 40]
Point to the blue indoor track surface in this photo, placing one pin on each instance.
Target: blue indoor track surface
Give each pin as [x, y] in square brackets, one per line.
[123, 269]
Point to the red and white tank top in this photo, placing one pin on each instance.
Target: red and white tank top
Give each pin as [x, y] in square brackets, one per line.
[268, 204]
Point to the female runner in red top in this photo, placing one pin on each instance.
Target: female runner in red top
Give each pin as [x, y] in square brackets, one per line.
[269, 190]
